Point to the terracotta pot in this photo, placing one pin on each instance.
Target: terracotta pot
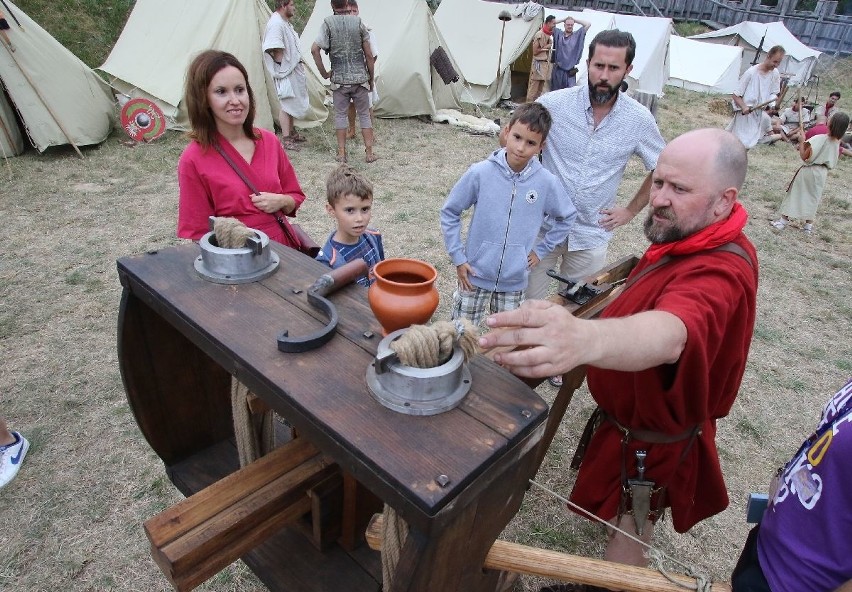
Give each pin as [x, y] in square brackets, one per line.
[403, 294]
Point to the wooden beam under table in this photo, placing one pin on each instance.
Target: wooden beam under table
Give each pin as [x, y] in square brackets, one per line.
[506, 556]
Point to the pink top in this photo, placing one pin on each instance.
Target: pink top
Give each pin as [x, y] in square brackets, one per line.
[210, 187]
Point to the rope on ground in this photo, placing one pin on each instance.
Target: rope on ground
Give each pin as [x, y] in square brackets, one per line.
[422, 346]
[702, 582]
[231, 233]
[255, 434]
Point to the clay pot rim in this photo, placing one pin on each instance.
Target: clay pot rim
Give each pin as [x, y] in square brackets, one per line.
[417, 262]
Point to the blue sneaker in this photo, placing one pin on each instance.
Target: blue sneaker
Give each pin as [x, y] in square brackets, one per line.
[11, 458]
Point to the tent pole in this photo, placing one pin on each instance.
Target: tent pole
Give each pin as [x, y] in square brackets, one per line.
[12, 14]
[500, 54]
[46, 106]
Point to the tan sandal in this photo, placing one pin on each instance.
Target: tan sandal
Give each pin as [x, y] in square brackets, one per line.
[297, 137]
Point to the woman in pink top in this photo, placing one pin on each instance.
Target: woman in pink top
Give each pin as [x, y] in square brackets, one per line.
[221, 114]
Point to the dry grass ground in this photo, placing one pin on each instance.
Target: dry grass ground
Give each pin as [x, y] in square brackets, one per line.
[72, 518]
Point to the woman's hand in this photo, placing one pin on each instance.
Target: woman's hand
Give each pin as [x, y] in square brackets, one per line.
[273, 202]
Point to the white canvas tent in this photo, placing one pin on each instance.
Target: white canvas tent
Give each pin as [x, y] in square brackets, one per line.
[406, 36]
[59, 100]
[798, 63]
[651, 64]
[473, 32]
[161, 38]
[704, 67]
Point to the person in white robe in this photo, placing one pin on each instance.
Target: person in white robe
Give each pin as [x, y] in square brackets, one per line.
[758, 86]
[283, 59]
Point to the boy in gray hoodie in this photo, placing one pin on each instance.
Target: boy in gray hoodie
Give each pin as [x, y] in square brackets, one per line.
[512, 194]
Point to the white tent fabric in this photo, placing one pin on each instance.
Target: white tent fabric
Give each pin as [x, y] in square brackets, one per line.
[651, 64]
[704, 67]
[59, 99]
[797, 64]
[473, 32]
[161, 38]
[406, 36]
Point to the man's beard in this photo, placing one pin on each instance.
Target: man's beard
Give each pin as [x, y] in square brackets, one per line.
[601, 97]
[663, 234]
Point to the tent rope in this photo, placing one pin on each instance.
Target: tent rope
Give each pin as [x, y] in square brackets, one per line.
[656, 556]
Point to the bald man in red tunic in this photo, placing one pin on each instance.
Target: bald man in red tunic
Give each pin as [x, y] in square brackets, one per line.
[667, 357]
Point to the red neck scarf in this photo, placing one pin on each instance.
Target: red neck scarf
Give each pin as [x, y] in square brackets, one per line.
[719, 233]
[827, 109]
[547, 30]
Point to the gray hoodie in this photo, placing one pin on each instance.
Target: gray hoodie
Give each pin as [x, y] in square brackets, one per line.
[509, 209]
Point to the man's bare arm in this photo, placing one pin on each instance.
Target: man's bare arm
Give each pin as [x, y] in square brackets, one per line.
[368, 58]
[612, 218]
[586, 24]
[315, 51]
[557, 341]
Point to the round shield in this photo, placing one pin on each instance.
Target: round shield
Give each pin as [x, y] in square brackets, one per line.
[143, 120]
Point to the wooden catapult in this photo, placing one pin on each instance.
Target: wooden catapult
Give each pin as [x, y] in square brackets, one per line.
[297, 516]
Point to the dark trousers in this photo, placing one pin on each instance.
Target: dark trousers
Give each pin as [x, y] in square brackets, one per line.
[748, 576]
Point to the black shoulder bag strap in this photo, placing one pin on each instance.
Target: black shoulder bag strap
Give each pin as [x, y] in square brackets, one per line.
[278, 217]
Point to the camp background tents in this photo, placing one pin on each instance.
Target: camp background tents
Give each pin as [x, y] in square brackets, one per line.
[59, 99]
[473, 32]
[161, 37]
[475, 41]
[798, 63]
[704, 67]
[406, 36]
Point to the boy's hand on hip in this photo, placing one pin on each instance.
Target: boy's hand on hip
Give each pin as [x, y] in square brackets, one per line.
[532, 260]
[463, 271]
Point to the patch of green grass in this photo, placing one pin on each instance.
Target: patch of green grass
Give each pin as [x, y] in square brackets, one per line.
[748, 428]
[844, 364]
[689, 28]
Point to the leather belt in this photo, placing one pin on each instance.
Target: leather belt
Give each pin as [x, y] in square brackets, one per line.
[649, 436]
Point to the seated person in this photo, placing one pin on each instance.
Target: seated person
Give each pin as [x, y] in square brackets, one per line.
[821, 128]
[788, 121]
[768, 132]
[350, 203]
[803, 541]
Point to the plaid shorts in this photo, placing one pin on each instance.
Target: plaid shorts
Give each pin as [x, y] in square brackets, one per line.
[471, 304]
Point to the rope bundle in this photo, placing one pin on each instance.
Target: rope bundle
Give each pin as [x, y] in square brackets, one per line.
[231, 233]
[423, 346]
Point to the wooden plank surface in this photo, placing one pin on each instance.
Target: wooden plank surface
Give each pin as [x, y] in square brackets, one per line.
[324, 392]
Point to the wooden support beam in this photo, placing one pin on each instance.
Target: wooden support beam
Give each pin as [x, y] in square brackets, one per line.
[199, 536]
[506, 556]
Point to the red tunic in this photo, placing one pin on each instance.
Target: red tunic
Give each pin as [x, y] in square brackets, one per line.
[210, 187]
[714, 294]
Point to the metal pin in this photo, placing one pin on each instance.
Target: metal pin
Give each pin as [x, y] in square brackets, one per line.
[526, 413]
[442, 480]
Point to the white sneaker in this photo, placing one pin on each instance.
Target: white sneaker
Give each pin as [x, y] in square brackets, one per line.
[11, 458]
[780, 223]
[808, 228]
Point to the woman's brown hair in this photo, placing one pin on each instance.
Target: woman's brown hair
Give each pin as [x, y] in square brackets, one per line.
[201, 71]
